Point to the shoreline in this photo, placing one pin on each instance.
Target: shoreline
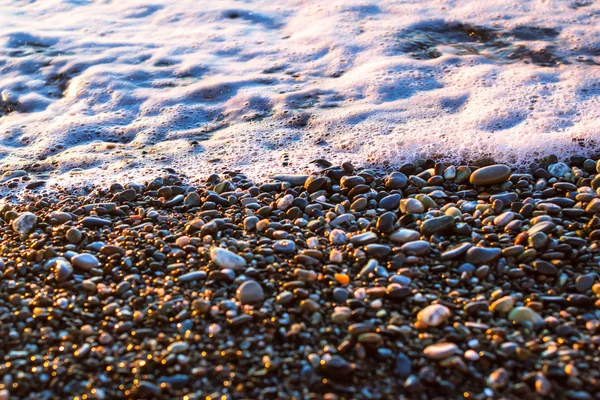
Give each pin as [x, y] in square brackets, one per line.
[433, 280]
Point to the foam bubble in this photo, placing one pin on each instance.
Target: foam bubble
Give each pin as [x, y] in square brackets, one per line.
[122, 90]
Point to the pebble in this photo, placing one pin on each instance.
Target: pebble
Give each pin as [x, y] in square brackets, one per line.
[284, 246]
[522, 314]
[85, 261]
[24, 223]
[250, 292]
[337, 237]
[559, 170]
[504, 304]
[438, 224]
[490, 175]
[403, 235]
[434, 315]
[412, 206]
[482, 255]
[440, 351]
[226, 259]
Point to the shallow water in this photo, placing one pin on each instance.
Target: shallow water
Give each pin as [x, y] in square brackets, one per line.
[92, 90]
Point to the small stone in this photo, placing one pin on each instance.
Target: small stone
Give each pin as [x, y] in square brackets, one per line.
[490, 175]
[364, 238]
[584, 282]
[226, 259]
[337, 237]
[390, 202]
[498, 379]
[438, 224]
[403, 235]
[504, 218]
[192, 199]
[417, 248]
[285, 202]
[482, 255]
[85, 261]
[74, 235]
[559, 170]
[250, 292]
[412, 206]
[24, 223]
[402, 366]
[439, 351]
[522, 314]
[434, 315]
[593, 206]
[284, 246]
[335, 366]
[396, 180]
[503, 304]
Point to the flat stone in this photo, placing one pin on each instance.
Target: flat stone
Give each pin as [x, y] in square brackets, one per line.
[439, 351]
[482, 255]
[192, 276]
[294, 180]
[226, 259]
[434, 315]
[544, 226]
[404, 235]
[284, 246]
[364, 238]
[438, 224]
[503, 304]
[456, 251]
[94, 222]
[490, 175]
[417, 248]
[85, 261]
[250, 292]
[522, 314]
[504, 218]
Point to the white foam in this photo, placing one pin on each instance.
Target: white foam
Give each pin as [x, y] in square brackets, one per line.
[128, 88]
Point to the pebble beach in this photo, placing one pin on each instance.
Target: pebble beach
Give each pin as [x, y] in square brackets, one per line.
[426, 281]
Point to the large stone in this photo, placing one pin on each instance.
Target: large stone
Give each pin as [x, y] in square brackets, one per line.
[24, 223]
[490, 175]
[226, 259]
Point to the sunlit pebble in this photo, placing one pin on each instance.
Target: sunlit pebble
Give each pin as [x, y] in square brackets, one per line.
[336, 256]
[312, 243]
[360, 293]
[376, 303]
[62, 303]
[183, 241]
[471, 355]
[214, 329]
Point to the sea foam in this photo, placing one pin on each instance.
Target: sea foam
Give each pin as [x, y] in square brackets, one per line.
[93, 91]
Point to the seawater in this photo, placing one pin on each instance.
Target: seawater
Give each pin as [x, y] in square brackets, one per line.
[93, 91]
